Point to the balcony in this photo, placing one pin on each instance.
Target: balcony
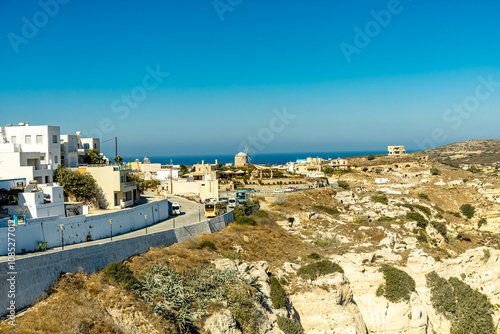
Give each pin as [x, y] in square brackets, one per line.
[43, 167]
[126, 185]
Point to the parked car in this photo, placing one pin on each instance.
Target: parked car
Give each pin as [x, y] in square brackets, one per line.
[176, 208]
[277, 191]
[224, 199]
[289, 189]
[232, 202]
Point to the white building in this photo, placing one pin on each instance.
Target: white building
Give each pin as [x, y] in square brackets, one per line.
[42, 201]
[30, 152]
[74, 148]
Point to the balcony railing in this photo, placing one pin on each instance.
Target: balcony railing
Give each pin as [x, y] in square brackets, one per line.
[43, 167]
[128, 184]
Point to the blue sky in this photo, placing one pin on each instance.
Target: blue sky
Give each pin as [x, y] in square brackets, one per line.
[226, 76]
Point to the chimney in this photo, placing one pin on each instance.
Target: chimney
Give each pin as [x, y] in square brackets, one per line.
[78, 134]
[216, 161]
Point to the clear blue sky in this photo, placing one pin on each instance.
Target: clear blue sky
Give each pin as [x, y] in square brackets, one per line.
[227, 76]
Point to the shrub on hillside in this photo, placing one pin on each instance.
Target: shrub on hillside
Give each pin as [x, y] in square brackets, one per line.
[482, 222]
[121, 274]
[398, 284]
[468, 310]
[423, 208]
[424, 196]
[314, 256]
[288, 326]
[314, 270]
[415, 216]
[440, 227]
[380, 199]
[330, 211]
[435, 171]
[386, 219]
[453, 213]
[421, 238]
[371, 157]
[208, 244]
[344, 185]
[261, 214]
[244, 220]
[277, 294]
[467, 210]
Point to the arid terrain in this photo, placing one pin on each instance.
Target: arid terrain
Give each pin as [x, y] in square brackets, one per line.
[403, 245]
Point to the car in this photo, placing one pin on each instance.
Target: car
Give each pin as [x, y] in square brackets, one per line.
[232, 202]
[176, 208]
[289, 189]
[277, 191]
[224, 199]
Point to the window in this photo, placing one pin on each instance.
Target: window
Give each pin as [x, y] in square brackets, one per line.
[56, 160]
[13, 139]
[95, 145]
[86, 146]
[27, 139]
[54, 139]
[39, 139]
[127, 196]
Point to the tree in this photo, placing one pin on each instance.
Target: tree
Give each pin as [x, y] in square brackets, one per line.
[371, 157]
[93, 156]
[82, 186]
[184, 169]
[467, 210]
[118, 159]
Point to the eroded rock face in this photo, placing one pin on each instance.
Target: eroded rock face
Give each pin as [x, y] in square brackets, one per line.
[328, 307]
[222, 323]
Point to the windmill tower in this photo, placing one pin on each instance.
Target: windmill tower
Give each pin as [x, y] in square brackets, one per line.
[243, 158]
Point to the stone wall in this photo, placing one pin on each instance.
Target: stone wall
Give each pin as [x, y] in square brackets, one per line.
[34, 274]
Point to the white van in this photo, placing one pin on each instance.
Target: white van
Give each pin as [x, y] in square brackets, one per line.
[176, 208]
[232, 202]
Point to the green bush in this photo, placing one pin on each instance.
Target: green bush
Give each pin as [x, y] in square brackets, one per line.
[324, 241]
[421, 238]
[314, 270]
[424, 209]
[82, 186]
[385, 219]
[261, 214]
[482, 222]
[244, 220]
[380, 199]
[314, 256]
[468, 310]
[421, 221]
[121, 274]
[277, 294]
[371, 157]
[453, 213]
[344, 185]
[398, 284]
[361, 219]
[424, 196]
[289, 326]
[440, 227]
[408, 206]
[464, 236]
[467, 210]
[330, 211]
[435, 171]
[208, 244]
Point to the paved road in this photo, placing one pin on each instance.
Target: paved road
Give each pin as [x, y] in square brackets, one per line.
[191, 212]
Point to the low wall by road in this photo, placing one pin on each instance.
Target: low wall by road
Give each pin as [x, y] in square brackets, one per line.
[78, 229]
[33, 275]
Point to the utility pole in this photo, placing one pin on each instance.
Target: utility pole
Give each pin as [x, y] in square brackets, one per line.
[116, 146]
[146, 220]
[171, 181]
[62, 237]
[111, 228]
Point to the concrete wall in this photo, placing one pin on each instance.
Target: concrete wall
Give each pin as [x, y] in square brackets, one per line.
[78, 228]
[35, 274]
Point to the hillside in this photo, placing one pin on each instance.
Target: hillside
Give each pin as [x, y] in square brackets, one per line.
[419, 253]
[468, 152]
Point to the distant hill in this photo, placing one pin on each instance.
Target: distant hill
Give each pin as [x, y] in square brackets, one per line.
[476, 151]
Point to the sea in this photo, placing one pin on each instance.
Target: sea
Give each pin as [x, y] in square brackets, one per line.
[261, 158]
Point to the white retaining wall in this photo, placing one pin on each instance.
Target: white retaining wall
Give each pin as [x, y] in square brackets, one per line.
[78, 228]
[36, 273]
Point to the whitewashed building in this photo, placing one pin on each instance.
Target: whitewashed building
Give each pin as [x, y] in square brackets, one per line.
[74, 148]
[30, 152]
[42, 201]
